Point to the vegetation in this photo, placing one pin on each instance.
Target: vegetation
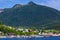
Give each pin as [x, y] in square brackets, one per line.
[7, 30]
[31, 15]
[31, 31]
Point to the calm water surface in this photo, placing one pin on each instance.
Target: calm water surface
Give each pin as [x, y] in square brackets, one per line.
[40, 38]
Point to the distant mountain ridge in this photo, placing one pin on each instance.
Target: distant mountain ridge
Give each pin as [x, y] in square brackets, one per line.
[17, 6]
[1, 10]
[31, 15]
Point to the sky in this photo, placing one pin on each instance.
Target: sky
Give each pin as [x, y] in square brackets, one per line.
[10, 3]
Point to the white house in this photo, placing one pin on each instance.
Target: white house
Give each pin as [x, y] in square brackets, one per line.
[20, 29]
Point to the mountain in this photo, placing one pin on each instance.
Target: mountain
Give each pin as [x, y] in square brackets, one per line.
[1, 10]
[17, 6]
[31, 15]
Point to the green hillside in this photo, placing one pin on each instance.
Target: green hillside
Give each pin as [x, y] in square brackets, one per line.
[31, 15]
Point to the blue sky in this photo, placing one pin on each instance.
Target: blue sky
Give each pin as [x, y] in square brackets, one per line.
[51, 3]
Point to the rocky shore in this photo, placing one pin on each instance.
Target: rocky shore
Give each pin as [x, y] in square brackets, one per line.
[23, 36]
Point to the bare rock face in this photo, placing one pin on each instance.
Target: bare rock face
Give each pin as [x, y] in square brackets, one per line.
[17, 6]
[31, 3]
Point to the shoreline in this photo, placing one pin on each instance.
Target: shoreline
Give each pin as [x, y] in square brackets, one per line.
[35, 36]
[12, 36]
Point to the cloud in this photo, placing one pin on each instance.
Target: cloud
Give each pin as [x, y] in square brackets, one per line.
[52, 3]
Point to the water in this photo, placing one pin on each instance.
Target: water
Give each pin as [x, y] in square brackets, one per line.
[40, 38]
